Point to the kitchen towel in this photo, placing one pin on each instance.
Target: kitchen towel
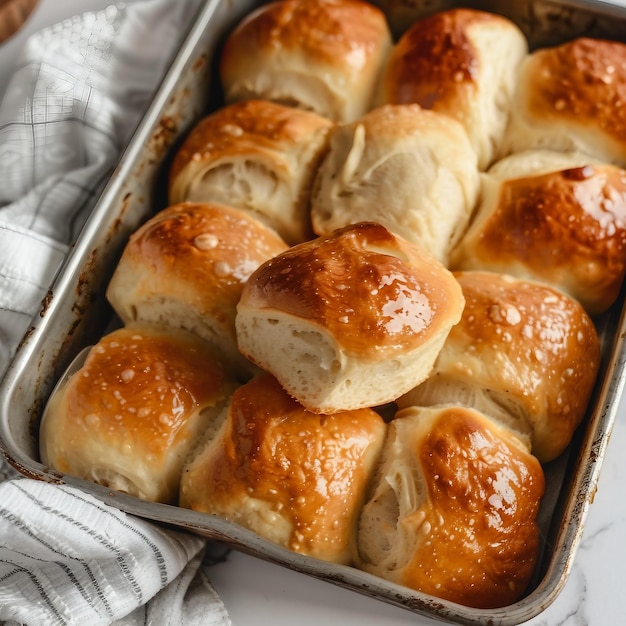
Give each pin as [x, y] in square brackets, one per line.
[77, 93]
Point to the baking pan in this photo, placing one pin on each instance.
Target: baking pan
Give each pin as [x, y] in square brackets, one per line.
[75, 314]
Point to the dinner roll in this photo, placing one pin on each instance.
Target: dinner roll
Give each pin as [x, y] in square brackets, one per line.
[257, 156]
[291, 476]
[130, 417]
[523, 352]
[319, 55]
[572, 97]
[565, 227]
[410, 169]
[186, 267]
[453, 510]
[461, 62]
[351, 320]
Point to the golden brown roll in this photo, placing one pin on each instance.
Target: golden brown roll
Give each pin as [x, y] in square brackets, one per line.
[412, 170]
[291, 476]
[13, 15]
[256, 156]
[453, 509]
[461, 62]
[565, 227]
[524, 353]
[130, 417]
[572, 97]
[186, 267]
[319, 55]
[347, 321]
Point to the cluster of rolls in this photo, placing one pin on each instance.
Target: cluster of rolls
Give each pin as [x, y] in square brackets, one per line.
[364, 322]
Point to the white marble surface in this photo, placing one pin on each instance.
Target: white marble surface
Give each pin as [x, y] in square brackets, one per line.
[258, 593]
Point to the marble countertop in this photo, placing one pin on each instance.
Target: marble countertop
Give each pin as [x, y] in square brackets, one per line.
[257, 593]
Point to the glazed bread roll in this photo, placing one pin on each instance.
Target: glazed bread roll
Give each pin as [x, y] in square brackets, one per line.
[565, 227]
[134, 412]
[347, 321]
[256, 156]
[572, 97]
[453, 509]
[461, 62]
[320, 55]
[524, 353]
[409, 169]
[291, 476]
[186, 267]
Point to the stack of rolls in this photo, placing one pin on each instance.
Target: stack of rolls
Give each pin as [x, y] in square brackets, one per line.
[396, 280]
[553, 206]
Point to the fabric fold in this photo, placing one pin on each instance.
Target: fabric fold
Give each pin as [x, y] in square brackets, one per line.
[68, 558]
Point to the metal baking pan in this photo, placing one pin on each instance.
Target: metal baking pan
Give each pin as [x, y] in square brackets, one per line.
[74, 314]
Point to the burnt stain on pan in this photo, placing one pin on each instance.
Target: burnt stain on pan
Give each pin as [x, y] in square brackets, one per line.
[45, 303]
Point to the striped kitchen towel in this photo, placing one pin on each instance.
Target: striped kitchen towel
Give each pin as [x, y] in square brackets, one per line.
[74, 99]
[67, 558]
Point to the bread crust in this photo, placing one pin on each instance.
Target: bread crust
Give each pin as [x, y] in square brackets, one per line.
[131, 416]
[572, 97]
[293, 477]
[407, 168]
[461, 62]
[453, 508]
[256, 156]
[349, 320]
[565, 227]
[533, 348]
[186, 267]
[320, 55]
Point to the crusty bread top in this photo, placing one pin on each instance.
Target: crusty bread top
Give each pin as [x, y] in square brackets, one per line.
[131, 415]
[257, 156]
[454, 508]
[255, 127]
[143, 384]
[374, 292]
[195, 253]
[410, 169]
[583, 81]
[438, 57]
[334, 31]
[185, 268]
[532, 344]
[566, 228]
[572, 97]
[461, 62]
[328, 51]
[290, 475]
